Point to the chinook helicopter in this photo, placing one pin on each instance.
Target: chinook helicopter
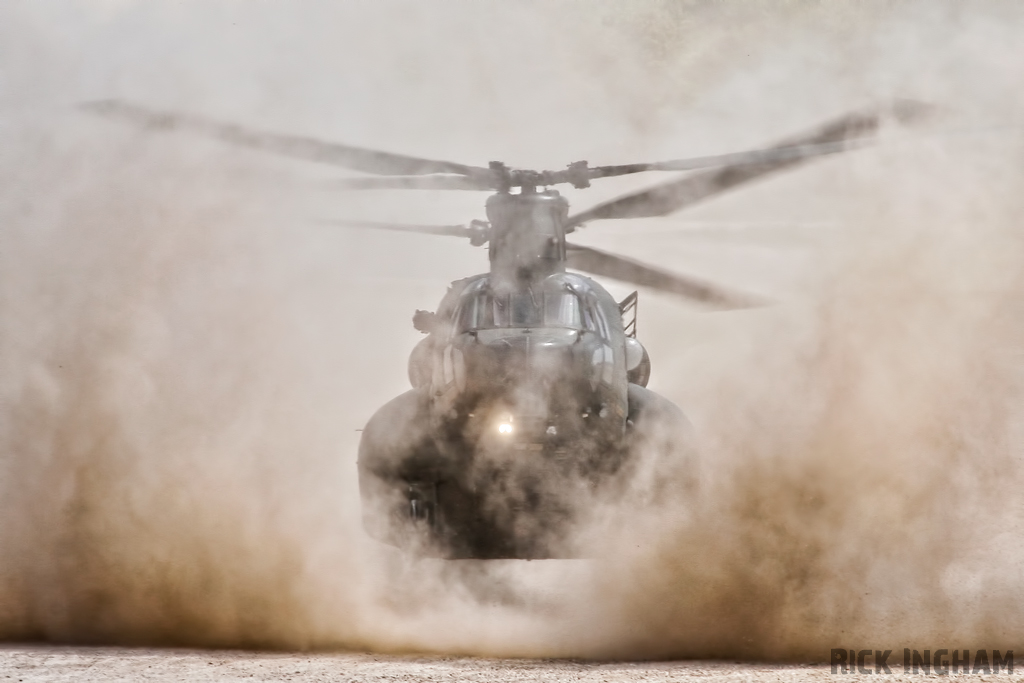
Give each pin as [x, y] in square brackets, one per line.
[529, 389]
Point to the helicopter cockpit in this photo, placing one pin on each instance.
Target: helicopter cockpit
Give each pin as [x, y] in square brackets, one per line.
[485, 310]
[552, 303]
[538, 355]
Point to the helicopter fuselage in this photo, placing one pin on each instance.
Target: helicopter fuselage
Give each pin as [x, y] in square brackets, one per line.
[528, 397]
[524, 403]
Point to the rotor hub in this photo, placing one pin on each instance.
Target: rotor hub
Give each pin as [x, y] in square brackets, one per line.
[576, 174]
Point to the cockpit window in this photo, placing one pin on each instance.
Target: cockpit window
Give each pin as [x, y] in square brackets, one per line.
[562, 309]
[593, 317]
[486, 310]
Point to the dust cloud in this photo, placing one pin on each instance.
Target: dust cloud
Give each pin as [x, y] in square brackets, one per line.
[187, 356]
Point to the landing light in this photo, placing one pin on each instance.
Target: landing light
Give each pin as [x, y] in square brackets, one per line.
[504, 428]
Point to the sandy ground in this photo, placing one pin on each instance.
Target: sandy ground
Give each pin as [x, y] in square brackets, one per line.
[47, 663]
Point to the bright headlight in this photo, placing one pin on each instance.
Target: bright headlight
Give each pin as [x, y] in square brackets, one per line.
[504, 428]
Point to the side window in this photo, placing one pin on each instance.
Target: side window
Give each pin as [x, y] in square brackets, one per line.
[589, 323]
[475, 312]
[466, 316]
[593, 317]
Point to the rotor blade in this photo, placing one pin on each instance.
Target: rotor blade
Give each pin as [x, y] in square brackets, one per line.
[771, 154]
[847, 132]
[598, 262]
[415, 182]
[446, 230]
[355, 158]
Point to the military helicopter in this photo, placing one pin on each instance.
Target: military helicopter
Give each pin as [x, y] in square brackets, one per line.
[529, 396]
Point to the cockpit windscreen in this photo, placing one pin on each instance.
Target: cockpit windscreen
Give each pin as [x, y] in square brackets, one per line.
[487, 310]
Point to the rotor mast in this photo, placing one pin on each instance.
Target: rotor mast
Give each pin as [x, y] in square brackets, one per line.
[527, 228]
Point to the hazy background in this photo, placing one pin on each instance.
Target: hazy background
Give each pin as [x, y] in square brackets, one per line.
[185, 356]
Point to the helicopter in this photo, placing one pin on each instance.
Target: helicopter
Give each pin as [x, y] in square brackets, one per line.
[528, 397]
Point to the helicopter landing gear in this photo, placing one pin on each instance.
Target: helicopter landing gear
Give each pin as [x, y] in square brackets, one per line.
[663, 452]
